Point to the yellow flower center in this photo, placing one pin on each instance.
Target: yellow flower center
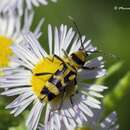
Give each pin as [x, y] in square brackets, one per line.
[5, 51]
[46, 65]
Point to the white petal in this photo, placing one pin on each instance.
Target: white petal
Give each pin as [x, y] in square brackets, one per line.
[50, 38]
[34, 116]
[91, 74]
[95, 94]
[23, 106]
[16, 91]
[85, 109]
[56, 42]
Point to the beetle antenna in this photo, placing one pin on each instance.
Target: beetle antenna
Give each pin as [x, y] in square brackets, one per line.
[80, 37]
[108, 54]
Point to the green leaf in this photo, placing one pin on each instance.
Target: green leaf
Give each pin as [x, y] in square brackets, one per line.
[20, 127]
[114, 97]
[112, 70]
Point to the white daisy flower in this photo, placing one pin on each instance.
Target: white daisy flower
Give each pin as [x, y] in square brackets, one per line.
[70, 109]
[11, 30]
[109, 123]
[9, 5]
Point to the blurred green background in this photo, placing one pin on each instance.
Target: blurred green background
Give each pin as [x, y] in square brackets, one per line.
[109, 30]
